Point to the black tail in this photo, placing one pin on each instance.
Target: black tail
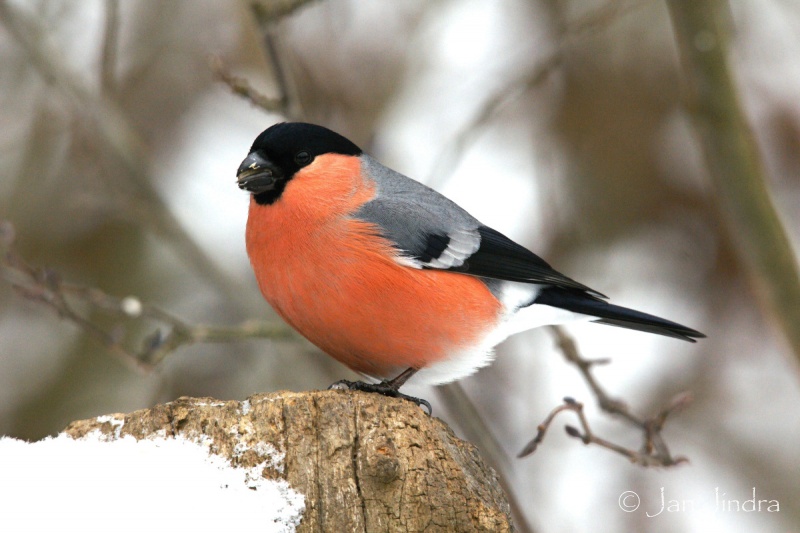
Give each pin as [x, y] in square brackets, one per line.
[613, 315]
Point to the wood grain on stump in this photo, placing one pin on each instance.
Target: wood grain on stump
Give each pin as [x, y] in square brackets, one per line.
[363, 462]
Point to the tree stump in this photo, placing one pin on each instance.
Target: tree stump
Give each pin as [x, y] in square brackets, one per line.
[363, 462]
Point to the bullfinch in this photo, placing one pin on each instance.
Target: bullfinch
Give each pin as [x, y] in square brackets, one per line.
[390, 277]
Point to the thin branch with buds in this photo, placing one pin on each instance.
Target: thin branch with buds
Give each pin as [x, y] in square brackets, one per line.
[45, 286]
[654, 450]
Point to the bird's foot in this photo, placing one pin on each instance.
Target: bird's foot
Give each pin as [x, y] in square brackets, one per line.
[386, 388]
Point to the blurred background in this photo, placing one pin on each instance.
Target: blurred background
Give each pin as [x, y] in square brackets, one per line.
[559, 123]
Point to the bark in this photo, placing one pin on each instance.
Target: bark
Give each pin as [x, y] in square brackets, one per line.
[363, 462]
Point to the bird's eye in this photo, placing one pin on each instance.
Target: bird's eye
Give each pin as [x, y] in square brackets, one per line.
[303, 157]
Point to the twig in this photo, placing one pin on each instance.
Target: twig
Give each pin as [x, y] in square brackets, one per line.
[241, 87]
[267, 14]
[645, 457]
[569, 349]
[267, 19]
[276, 9]
[45, 286]
[279, 70]
[654, 450]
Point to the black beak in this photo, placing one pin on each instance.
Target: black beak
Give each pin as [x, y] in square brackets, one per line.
[257, 174]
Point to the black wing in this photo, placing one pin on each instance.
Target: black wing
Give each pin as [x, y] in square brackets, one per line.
[499, 257]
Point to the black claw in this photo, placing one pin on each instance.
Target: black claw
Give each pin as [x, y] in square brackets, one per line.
[384, 388]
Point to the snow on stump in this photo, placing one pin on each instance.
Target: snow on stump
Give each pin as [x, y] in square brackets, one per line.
[362, 462]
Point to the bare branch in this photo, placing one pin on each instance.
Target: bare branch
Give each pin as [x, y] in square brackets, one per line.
[267, 20]
[654, 450]
[45, 286]
[570, 351]
[241, 87]
[648, 456]
[274, 10]
[267, 14]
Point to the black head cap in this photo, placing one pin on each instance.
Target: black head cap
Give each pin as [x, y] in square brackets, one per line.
[283, 149]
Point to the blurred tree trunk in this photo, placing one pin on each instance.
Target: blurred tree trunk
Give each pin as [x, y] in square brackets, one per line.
[363, 462]
[734, 162]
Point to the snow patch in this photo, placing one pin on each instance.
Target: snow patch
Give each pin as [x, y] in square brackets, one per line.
[101, 483]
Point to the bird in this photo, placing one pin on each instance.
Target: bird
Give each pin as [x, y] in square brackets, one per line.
[390, 277]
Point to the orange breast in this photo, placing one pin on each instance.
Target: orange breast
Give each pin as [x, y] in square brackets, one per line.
[333, 278]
